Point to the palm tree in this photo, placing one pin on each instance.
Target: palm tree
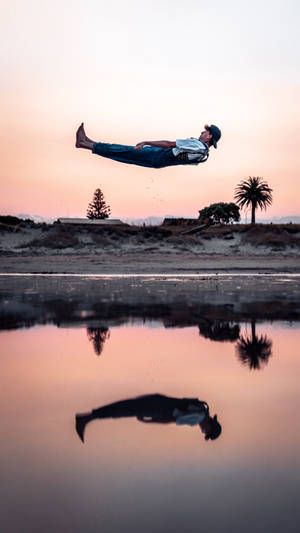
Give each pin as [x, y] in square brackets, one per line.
[254, 351]
[255, 192]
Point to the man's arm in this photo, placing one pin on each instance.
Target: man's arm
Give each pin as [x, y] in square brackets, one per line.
[159, 144]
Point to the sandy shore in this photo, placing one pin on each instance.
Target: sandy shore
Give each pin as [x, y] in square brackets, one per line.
[145, 263]
[179, 300]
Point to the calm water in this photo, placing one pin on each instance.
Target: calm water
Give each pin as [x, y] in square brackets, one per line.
[142, 477]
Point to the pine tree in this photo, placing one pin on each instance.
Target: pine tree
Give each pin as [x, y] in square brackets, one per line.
[97, 209]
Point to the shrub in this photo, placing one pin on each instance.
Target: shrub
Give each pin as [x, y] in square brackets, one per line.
[220, 213]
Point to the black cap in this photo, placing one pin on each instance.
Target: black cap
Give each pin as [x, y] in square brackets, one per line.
[215, 430]
[216, 134]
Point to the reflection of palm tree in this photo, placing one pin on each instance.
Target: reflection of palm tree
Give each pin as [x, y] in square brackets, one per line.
[98, 336]
[219, 330]
[254, 351]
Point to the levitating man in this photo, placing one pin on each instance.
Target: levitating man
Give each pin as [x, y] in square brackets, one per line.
[155, 154]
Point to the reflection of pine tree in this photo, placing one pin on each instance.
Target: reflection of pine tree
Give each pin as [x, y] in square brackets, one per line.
[98, 336]
[219, 330]
[254, 351]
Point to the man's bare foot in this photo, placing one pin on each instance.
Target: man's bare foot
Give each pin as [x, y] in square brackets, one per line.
[80, 423]
[80, 136]
[82, 141]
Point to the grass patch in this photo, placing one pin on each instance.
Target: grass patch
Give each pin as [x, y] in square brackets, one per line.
[58, 239]
[272, 235]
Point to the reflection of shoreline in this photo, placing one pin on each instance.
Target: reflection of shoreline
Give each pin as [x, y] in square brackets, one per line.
[78, 302]
[25, 312]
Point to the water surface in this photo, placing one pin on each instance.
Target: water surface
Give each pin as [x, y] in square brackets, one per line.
[133, 476]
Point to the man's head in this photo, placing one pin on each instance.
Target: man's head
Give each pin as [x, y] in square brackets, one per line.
[210, 135]
[211, 427]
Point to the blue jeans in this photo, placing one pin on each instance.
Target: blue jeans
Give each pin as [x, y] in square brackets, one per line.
[148, 156]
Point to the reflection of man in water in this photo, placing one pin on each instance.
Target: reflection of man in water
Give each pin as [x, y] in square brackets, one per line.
[159, 409]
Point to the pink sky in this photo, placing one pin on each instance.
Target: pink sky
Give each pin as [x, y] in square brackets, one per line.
[144, 72]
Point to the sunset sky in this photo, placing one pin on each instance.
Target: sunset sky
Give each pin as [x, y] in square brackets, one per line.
[135, 71]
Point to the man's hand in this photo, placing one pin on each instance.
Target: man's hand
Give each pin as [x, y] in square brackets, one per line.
[141, 418]
[139, 145]
[158, 144]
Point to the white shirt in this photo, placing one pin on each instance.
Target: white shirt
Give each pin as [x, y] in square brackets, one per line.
[196, 150]
[189, 419]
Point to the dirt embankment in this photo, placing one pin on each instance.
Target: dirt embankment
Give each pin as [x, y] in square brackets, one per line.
[239, 239]
[29, 247]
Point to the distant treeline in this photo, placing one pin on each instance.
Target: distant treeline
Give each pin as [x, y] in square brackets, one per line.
[10, 220]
